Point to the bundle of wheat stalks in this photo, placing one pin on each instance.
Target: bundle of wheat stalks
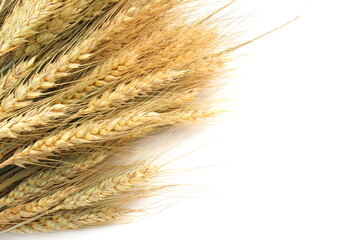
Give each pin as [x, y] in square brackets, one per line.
[81, 82]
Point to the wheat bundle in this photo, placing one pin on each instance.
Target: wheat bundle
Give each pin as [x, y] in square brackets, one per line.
[81, 82]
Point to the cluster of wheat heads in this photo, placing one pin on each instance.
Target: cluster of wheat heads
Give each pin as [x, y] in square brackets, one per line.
[82, 81]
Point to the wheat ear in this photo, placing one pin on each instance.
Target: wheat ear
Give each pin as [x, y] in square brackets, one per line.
[40, 183]
[123, 65]
[126, 91]
[74, 219]
[176, 98]
[183, 116]
[27, 122]
[69, 14]
[89, 133]
[99, 132]
[109, 187]
[15, 74]
[24, 93]
[34, 208]
[103, 75]
[5, 5]
[97, 8]
[23, 22]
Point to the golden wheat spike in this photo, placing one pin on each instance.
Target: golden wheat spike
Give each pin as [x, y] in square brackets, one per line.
[98, 132]
[27, 122]
[68, 14]
[75, 219]
[23, 22]
[88, 133]
[109, 187]
[130, 66]
[40, 183]
[24, 94]
[104, 74]
[31, 209]
[81, 82]
[5, 5]
[97, 8]
[15, 74]
[126, 91]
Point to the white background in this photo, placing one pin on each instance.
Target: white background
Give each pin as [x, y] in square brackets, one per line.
[284, 163]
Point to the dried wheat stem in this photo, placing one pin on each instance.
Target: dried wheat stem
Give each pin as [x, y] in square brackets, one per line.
[13, 127]
[23, 22]
[73, 219]
[40, 183]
